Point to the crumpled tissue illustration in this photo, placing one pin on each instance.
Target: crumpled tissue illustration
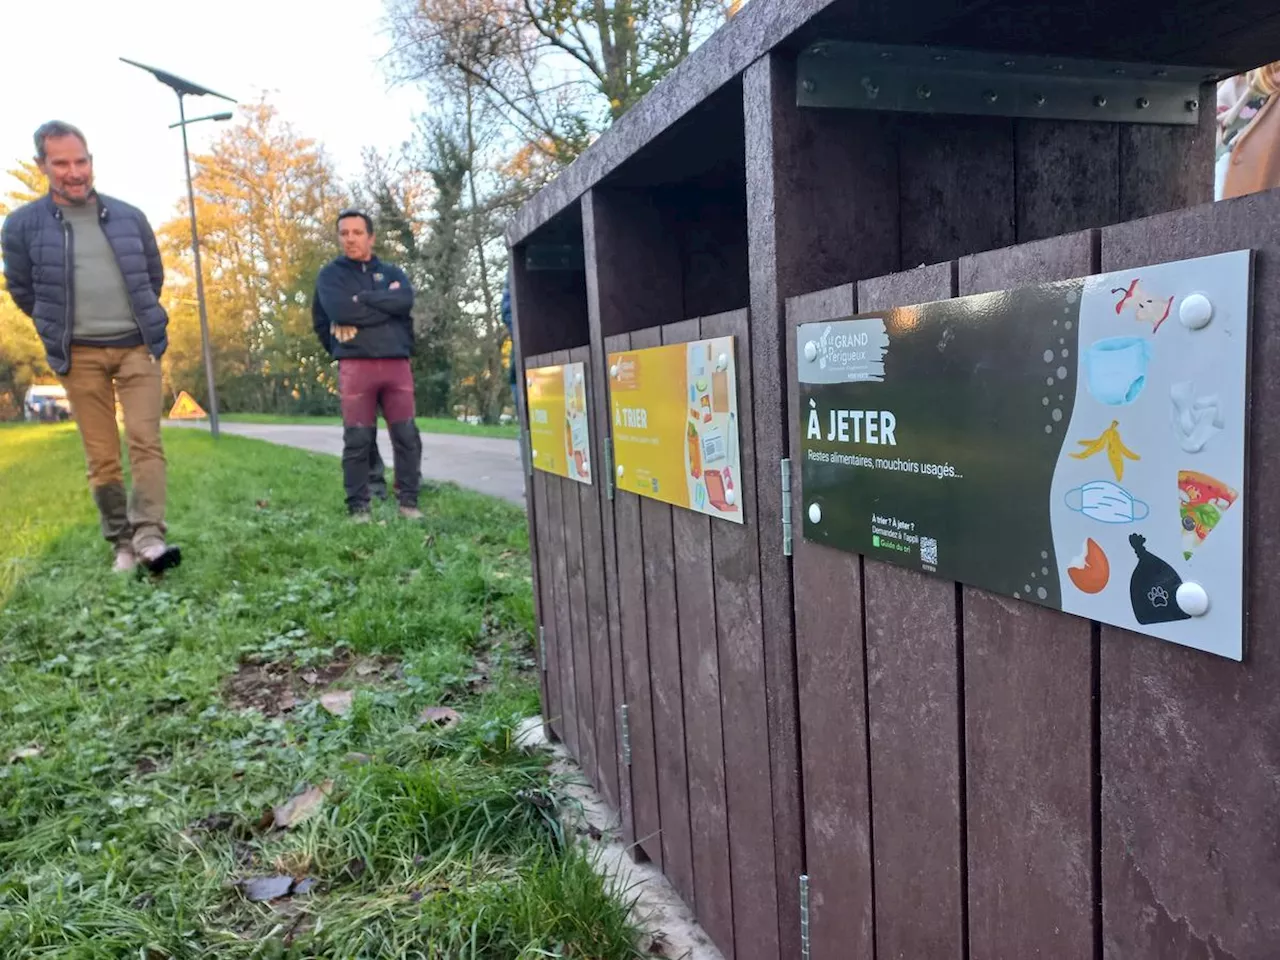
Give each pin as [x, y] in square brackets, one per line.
[1195, 419]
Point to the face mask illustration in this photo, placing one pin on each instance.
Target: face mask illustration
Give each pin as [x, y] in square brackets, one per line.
[1106, 502]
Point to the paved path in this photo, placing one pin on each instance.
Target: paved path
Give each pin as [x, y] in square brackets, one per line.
[485, 464]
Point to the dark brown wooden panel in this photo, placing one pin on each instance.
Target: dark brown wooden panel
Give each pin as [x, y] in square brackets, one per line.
[914, 717]
[596, 629]
[1191, 742]
[601, 433]
[531, 513]
[583, 674]
[553, 306]
[633, 623]
[695, 576]
[833, 713]
[822, 201]
[1068, 177]
[557, 539]
[957, 193]
[638, 270]
[665, 679]
[735, 551]
[1167, 168]
[549, 655]
[1028, 677]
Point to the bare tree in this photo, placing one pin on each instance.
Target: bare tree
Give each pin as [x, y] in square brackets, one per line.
[555, 71]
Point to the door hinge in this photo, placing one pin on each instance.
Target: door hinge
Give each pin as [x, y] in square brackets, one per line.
[608, 466]
[785, 464]
[804, 917]
[626, 735]
[542, 647]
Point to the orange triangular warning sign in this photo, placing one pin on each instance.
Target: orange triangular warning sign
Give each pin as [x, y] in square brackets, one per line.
[186, 408]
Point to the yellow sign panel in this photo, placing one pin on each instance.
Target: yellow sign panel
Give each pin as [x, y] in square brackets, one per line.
[675, 425]
[186, 408]
[559, 437]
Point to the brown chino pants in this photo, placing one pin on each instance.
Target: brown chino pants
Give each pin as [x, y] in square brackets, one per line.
[96, 377]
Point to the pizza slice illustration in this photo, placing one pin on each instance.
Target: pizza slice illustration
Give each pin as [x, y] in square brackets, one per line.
[1202, 500]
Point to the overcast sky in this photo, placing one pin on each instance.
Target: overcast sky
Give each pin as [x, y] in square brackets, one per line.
[317, 60]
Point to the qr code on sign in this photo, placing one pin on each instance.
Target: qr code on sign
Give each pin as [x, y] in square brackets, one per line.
[929, 551]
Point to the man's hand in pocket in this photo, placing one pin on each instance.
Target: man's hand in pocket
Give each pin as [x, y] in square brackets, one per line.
[343, 334]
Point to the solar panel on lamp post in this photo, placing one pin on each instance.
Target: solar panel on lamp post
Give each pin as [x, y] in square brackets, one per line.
[184, 88]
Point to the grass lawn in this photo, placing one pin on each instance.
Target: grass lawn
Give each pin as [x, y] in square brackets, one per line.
[170, 750]
[425, 424]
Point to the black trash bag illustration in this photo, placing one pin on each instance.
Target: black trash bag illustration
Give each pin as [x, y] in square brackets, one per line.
[1153, 588]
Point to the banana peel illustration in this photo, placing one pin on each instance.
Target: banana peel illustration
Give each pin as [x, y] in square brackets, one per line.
[1110, 441]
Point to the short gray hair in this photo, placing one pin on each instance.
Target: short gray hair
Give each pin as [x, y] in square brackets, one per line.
[56, 128]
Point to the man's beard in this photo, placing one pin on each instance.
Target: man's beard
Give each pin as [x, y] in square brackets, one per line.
[77, 201]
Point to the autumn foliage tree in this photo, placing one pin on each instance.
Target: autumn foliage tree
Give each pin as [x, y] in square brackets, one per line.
[266, 200]
[22, 360]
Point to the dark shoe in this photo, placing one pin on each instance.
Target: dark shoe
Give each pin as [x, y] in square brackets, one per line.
[159, 558]
[411, 513]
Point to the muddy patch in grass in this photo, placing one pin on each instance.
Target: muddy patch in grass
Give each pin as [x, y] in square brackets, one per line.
[276, 687]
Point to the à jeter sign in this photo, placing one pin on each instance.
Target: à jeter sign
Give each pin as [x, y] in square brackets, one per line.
[1078, 445]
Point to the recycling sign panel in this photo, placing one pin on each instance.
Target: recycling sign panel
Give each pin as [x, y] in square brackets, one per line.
[1078, 445]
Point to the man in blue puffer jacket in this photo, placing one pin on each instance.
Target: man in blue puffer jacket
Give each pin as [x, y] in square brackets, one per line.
[86, 269]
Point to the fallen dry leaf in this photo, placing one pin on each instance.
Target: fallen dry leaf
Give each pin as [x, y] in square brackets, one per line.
[266, 888]
[301, 807]
[365, 667]
[25, 753]
[359, 759]
[304, 886]
[442, 717]
[337, 702]
[263, 504]
[658, 945]
[311, 677]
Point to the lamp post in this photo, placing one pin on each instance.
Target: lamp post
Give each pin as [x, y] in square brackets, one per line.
[184, 88]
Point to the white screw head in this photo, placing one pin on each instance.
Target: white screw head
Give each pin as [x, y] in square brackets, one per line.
[731, 497]
[620, 471]
[613, 371]
[577, 377]
[533, 453]
[722, 362]
[815, 513]
[1195, 311]
[811, 351]
[1192, 600]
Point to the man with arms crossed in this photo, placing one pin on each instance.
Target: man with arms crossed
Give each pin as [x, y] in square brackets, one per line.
[86, 269]
[364, 320]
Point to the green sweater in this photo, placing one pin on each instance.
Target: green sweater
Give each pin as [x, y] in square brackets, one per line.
[103, 314]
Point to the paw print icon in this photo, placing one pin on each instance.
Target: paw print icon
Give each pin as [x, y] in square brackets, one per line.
[1158, 597]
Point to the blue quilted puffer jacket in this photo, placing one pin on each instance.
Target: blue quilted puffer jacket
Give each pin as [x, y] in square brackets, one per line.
[39, 252]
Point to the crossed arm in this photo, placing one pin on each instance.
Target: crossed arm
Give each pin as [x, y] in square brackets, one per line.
[348, 306]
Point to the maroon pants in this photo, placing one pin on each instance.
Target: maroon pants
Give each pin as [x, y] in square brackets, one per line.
[364, 387]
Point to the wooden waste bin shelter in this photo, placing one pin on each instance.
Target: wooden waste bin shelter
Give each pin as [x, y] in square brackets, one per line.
[828, 754]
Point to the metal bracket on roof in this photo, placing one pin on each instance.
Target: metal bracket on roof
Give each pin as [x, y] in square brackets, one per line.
[864, 76]
[554, 256]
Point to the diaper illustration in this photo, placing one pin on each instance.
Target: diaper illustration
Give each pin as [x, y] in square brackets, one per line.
[1106, 502]
[1116, 369]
